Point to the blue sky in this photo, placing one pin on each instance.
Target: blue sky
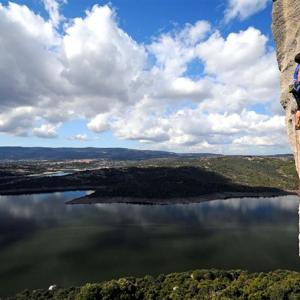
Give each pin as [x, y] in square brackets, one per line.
[169, 65]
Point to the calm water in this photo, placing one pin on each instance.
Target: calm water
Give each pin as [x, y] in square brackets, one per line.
[43, 241]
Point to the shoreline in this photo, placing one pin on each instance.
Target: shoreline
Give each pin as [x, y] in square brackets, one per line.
[31, 191]
[89, 200]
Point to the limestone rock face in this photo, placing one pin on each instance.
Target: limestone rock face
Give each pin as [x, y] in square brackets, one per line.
[286, 32]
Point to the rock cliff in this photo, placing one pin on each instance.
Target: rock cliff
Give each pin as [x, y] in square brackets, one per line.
[286, 32]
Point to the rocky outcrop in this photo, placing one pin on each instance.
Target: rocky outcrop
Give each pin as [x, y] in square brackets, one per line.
[286, 32]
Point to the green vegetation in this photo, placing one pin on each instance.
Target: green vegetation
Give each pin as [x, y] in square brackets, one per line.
[193, 177]
[172, 177]
[278, 172]
[200, 284]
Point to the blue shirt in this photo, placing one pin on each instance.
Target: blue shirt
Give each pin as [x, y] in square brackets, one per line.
[296, 73]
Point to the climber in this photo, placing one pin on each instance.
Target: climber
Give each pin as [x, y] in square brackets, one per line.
[296, 91]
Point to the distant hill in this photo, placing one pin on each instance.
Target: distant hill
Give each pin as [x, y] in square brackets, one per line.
[41, 153]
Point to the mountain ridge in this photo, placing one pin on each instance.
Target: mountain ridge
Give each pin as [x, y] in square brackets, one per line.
[64, 153]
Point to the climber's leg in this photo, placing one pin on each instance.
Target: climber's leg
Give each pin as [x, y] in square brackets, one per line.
[297, 120]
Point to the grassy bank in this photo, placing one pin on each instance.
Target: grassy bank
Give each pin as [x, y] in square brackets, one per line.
[200, 284]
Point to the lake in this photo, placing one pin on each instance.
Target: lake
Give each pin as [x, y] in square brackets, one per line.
[44, 242]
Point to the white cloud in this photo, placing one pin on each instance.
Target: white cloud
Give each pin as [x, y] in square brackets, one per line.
[193, 130]
[173, 50]
[52, 7]
[243, 9]
[244, 67]
[17, 120]
[90, 69]
[29, 70]
[99, 123]
[23, 22]
[102, 62]
[256, 141]
[46, 131]
[95, 71]
[239, 71]
[79, 137]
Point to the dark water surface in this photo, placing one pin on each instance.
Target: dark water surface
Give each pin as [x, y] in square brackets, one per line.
[44, 242]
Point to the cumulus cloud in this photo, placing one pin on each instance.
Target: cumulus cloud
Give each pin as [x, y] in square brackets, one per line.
[17, 121]
[244, 67]
[52, 7]
[103, 63]
[79, 137]
[173, 50]
[256, 141]
[93, 70]
[81, 73]
[243, 9]
[29, 71]
[100, 122]
[46, 131]
[193, 130]
[239, 71]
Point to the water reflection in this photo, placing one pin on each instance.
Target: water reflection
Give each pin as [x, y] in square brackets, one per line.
[44, 241]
